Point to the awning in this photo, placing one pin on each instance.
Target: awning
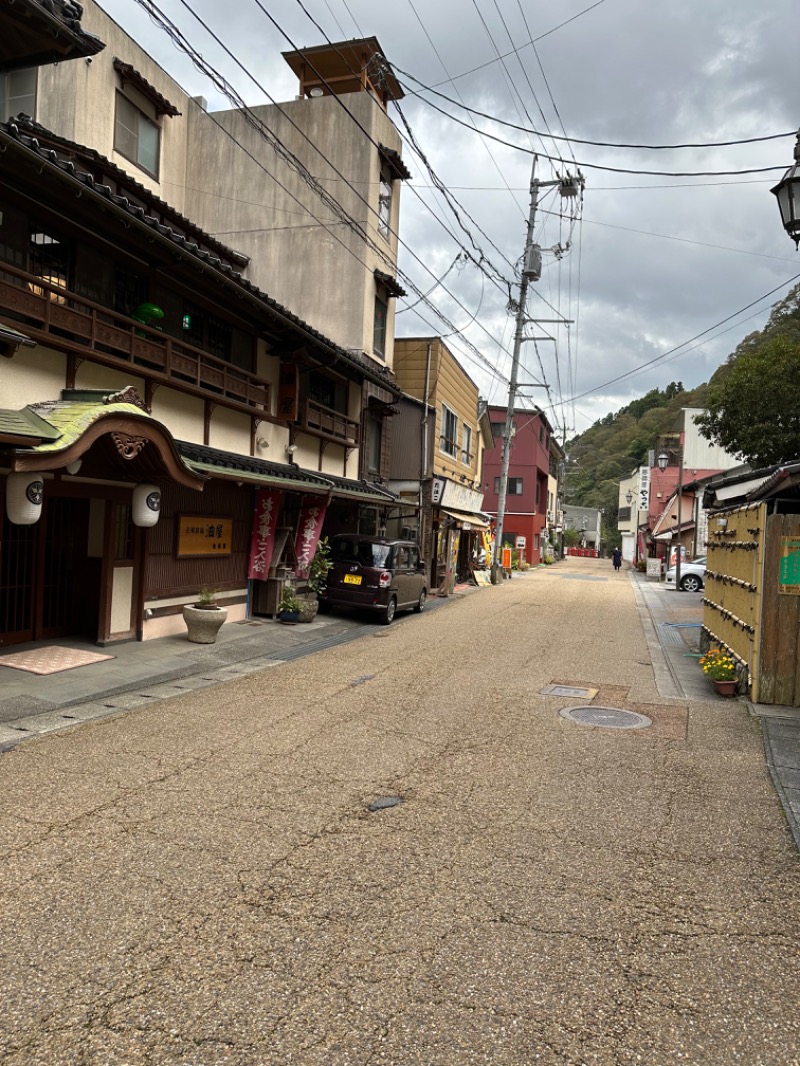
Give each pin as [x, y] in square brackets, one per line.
[467, 519]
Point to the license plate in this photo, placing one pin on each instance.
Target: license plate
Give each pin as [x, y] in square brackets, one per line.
[352, 579]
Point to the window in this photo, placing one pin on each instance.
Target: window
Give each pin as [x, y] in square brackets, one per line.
[374, 428]
[385, 202]
[136, 136]
[218, 338]
[466, 444]
[538, 495]
[379, 327]
[449, 438]
[50, 259]
[514, 486]
[498, 429]
[18, 93]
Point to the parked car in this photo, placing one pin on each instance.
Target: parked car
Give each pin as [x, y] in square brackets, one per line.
[375, 574]
[693, 575]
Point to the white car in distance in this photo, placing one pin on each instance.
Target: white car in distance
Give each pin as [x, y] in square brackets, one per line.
[693, 575]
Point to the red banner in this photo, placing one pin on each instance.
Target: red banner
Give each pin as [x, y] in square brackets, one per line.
[262, 540]
[312, 516]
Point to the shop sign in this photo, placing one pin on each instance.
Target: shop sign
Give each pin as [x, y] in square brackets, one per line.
[644, 489]
[309, 529]
[437, 490]
[520, 542]
[789, 580]
[262, 538]
[459, 497]
[204, 535]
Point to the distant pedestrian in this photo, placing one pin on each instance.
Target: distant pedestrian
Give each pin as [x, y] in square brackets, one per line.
[616, 557]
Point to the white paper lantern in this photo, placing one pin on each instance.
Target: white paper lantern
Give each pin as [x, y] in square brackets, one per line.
[24, 494]
[146, 505]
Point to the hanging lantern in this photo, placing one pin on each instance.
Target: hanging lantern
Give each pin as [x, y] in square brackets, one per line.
[24, 494]
[146, 505]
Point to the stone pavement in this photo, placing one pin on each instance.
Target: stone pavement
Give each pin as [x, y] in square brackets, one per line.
[142, 672]
[209, 880]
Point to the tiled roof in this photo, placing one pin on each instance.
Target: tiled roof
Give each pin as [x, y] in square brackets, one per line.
[16, 133]
[214, 462]
[25, 427]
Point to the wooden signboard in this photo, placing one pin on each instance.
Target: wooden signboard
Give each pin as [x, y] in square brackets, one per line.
[204, 535]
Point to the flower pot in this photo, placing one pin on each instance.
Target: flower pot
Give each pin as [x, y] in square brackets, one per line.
[203, 623]
[726, 688]
[289, 618]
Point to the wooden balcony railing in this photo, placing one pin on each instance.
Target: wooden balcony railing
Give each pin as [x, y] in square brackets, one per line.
[115, 339]
[328, 424]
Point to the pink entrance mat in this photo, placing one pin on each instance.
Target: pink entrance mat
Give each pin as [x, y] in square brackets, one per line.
[51, 660]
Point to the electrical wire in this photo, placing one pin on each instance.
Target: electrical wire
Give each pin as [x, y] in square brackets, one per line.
[678, 347]
[579, 140]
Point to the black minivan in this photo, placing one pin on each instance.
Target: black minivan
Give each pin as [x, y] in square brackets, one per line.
[375, 574]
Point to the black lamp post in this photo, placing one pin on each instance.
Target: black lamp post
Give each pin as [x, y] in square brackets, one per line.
[788, 193]
[663, 463]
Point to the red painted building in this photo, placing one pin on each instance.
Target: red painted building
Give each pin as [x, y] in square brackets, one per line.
[528, 473]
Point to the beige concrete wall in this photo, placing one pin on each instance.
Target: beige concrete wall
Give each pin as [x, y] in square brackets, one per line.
[182, 414]
[77, 100]
[32, 375]
[230, 431]
[302, 254]
[94, 376]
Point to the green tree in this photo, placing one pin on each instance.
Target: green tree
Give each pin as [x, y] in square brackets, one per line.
[754, 410]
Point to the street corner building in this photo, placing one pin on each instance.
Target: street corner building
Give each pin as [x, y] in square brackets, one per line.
[158, 398]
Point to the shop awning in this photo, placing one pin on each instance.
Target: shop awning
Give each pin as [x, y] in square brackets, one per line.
[213, 462]
[467, 519]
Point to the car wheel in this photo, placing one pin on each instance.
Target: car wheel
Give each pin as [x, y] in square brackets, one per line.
[389, 611]
[691, 583]
[422, 598]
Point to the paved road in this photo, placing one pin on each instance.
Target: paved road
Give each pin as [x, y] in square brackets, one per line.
[201, 882]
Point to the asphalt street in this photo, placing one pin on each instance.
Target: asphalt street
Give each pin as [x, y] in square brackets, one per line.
[202, 881]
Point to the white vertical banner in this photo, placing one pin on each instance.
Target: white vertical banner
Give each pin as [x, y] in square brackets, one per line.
[644, 489]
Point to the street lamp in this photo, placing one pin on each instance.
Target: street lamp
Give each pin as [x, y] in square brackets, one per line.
[663, 463]
[788, 193]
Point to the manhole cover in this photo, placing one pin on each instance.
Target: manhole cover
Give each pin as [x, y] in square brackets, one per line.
[606, 717]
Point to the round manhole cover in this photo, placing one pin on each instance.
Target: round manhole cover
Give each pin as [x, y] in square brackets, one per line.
[606, 717]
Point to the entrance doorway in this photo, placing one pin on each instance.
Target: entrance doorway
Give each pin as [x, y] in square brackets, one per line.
[49, 587]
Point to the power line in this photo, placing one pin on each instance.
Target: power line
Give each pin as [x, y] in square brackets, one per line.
[697, 336]
[579, 140]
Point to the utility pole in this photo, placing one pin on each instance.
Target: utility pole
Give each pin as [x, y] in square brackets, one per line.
[531, 271]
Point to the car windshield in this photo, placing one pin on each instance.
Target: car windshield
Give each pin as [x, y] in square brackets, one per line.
[360, 551]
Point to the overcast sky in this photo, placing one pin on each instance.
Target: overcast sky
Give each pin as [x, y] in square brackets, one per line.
[655, 260]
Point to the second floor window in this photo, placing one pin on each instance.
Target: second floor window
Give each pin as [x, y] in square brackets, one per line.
[379, 327]
[18, 93]
[136, 136]
[466, 444]
[449, 438]
[514, 486]
[385, 202]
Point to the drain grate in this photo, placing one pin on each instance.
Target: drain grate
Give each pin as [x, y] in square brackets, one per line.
[606, 717]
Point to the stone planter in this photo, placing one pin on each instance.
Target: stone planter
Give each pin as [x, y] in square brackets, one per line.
[309, 605]
[204, 623]
[726, 688]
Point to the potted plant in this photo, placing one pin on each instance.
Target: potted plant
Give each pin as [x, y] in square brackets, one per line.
[204, 617]
[720, 669]
[289, 607]
[307, 592]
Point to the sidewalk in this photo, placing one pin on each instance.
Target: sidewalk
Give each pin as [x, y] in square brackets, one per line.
[139, 672]
[672, 622]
